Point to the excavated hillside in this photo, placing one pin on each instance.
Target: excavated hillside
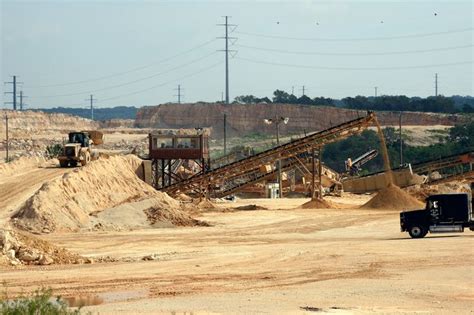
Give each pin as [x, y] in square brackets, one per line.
[245, 119]
[25, 123]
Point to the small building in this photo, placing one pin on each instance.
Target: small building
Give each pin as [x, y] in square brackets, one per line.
[177, 156]
[173, 147]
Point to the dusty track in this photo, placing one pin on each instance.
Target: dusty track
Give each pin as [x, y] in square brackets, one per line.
[273, 261]
[14, 190]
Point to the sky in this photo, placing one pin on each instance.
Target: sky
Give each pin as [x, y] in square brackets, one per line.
[136, 53]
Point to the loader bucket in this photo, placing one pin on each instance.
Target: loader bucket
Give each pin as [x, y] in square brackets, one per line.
[96, 136]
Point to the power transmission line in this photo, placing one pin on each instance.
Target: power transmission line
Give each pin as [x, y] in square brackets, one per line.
[179, 95]
[22, 105]
[361, 38]
[14, 84]
[164, 83]
[126, 72]
[356, 54]
[134, 81]
[354, 68]
[91, 99]
[302, 90]
[226, 25]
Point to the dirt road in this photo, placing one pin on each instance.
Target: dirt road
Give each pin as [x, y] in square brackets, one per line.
[269, 261]
[17, 188]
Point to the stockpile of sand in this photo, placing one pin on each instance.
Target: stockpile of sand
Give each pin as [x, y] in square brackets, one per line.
[316, 204]
[157, 215]
[160, 211]
[17, 248]
[66, 203]
[393, 197]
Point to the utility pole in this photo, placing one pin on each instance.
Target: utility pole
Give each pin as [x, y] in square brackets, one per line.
[277, 121]
[179, 93]
[436, 84]
[91, 100]
[280, 182]
[14, 84]
[7, 159]
[225, 134]
[303, 89]
[226, 50]
[400, 138]
[375, 88]
[320, 171]
[21, 100]
[292, 90]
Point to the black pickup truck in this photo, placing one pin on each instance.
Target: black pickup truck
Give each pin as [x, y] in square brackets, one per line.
[443, 214]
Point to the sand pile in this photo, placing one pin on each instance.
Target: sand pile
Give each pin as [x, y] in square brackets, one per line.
[160, 211]
[393, 197]
[157, 215]
[205, 204]
[66, 203]
[317, 204]
[17, 248]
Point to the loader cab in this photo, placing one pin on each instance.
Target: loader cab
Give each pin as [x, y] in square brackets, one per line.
[79, 137]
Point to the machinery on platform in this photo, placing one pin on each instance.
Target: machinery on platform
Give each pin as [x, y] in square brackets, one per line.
[229, 178]
[353, 167]
[78, 149]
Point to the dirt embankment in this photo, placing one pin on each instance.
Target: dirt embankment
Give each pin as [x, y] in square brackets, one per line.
[246, 119]
[25, 123]
[21, 248]
[95, 196]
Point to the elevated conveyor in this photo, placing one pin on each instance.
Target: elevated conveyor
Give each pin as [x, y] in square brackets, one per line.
[226, 179]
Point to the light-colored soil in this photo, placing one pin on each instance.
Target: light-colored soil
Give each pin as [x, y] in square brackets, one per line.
[266, 261]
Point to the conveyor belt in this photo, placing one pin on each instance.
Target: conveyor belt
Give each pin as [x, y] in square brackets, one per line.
[206, 183]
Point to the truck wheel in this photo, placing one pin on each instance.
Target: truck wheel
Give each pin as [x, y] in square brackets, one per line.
[86, 158]
[63, 163]
[73, 163]
[417, 231]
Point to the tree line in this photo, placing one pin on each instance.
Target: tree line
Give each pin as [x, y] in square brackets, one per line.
[435, 104]
[458, 139]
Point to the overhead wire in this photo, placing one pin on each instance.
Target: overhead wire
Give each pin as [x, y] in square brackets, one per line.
[419, 35]
[127, 71]
[355, 54]
[130, 82]
[353, 68]
[165, 83]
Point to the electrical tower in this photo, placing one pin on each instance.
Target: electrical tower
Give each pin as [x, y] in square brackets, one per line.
[375, 88]
[179, 95]
[436, 84]
[91, 99]
[303, 89]
[22, 105]
[14, 84]
[227, 51]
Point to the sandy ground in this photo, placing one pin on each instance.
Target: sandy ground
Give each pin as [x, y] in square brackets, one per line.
[282, 260]
[16, 189]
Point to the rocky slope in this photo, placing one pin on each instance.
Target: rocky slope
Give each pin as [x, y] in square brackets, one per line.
[27, 123]
[245, 119]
